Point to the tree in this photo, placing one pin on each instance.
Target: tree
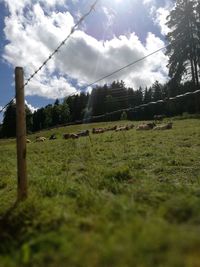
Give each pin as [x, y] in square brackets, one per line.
[56, 114]
[183, 42]
[198, 31]
[1, 131]
[9, 120]
[64, 113]
[157, 91]
[147, 95]
[139, 97]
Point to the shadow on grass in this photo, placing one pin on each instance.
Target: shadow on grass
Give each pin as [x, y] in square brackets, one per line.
[5, 218]
[11, 226]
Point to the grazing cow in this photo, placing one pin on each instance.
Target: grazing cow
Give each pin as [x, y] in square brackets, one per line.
[70, 135]
[40, 139]
[166, 126]
[66, 135]
[74, 136]
[146, 126]
[129, 127]
[98, 130]
[83, 133]
[113, 128]
[52, 137]
[121, 128]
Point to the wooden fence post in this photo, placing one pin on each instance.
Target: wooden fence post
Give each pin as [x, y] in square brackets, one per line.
[22, 191]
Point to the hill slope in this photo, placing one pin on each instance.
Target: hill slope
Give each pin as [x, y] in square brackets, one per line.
[118, 199]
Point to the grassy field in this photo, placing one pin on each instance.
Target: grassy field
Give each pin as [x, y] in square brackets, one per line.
[118, 200]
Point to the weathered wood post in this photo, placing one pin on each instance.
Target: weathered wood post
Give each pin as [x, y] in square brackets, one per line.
[22, 191]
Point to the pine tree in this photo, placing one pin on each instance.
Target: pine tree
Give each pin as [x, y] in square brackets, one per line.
[183, 40]
[197, 12]
[9, 121]
[147, 95]
[157, 91]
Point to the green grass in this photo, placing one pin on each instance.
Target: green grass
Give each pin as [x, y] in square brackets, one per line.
[120, 199]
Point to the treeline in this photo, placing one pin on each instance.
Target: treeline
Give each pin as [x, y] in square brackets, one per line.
[106, 103]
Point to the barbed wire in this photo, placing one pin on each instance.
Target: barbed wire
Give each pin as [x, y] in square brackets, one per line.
[4, 107]
[162, 101]
[73, 29]
[129, 65]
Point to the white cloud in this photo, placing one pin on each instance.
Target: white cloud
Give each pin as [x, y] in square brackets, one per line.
[159, 14]
[50, 87]
[161, 19]
[32, 109]
[110, 15]
[85, 59]
[17, 6]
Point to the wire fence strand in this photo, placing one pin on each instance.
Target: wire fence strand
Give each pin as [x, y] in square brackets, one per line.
[73, 29]
[4, 107]
[162, 101]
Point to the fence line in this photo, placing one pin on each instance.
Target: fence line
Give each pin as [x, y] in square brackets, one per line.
[166, 100]
[91, 118]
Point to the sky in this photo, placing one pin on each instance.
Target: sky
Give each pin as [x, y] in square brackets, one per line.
[115, 34]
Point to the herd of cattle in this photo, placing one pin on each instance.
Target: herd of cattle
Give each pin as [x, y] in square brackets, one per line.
[141, 127]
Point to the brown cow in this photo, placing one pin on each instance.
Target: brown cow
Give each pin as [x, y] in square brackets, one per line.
[112, 128]
[83, 133]
[66, 135]
[70, 135]
[98, 130]
[166, 126]
[74, 136]
[121, 128]
[146, 126]
[129, 127]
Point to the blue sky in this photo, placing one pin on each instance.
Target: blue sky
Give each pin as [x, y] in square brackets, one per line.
[115, 34]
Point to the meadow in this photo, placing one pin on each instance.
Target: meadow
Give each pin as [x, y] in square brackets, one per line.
[117, 199]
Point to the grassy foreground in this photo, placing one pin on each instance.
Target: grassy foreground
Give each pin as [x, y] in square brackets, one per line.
[120, 199]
